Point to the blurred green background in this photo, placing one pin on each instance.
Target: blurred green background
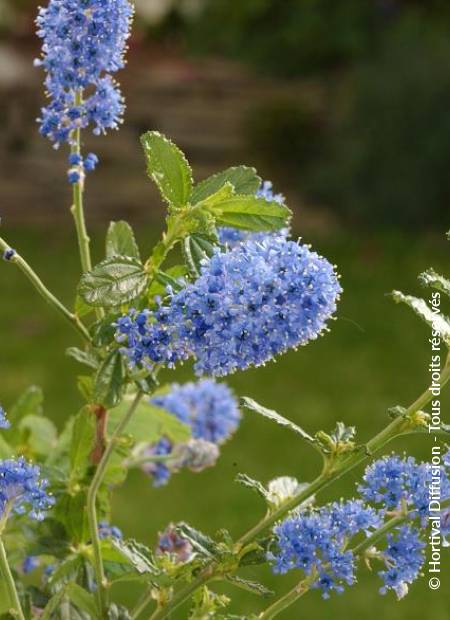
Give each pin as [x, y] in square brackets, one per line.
[344, 105]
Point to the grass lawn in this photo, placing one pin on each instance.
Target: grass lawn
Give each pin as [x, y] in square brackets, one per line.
[376, 356]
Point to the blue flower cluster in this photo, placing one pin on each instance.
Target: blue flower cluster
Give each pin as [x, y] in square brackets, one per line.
[22, 489]
[404, 557]
[84, 41]
[315, 542]
[392, 480]
[247, 306]
[212, 412]
[3, 420]
[232, 236]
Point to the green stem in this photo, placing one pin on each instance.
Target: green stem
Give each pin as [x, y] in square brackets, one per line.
[399, 426]
[182, 595]
[16, 259]
[77, 208]
[16, 610]
[102, 599]
[285, 601]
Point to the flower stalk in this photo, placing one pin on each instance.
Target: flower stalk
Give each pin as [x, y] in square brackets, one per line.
[32, 276]
[16, 609]
[102, 598]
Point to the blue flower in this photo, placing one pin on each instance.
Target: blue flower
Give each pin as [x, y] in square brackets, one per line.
[232, 236]
[315, 542]
[30, 564]
[8, 254]
[109, 531]
[404, 557]
[172, 543]
[210, 409]
[3, 420]
[212, 412]
[391, 481]
[248, 305]
[22, 490]
[84, 41]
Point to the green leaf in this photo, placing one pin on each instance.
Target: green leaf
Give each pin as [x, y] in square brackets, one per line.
[149, 423]
[248, 212]
[53, 605]
[251, 404]
[195, 249]
[108, 384]
[39, 434]
[436, 281]
[120, 241]
[113, 282]
[202, 543]
[169, 169]
[85, 386]
[169, 276]
[66, 571]
[83, 357]
[244, 180]
[70, 510]
[436, 321]
[251, 586]
[30, 402]
[81, 307]
[255, 485]
[131, 553]
[82, 444]
[82, 599]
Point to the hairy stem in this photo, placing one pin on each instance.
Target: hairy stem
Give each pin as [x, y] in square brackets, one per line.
[401, 425]
[285, 601]
[77, 208]
[74, 321]
[16, 609]
[102, 598]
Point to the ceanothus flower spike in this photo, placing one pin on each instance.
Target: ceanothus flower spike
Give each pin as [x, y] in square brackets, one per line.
[247, 306]
[83, 43]
[212, 412]
[22, 489]
[315, 542]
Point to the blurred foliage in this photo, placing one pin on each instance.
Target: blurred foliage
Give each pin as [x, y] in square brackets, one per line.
[389, 151]
[298, 37]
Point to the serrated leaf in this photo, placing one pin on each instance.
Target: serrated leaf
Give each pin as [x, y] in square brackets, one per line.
[83, 357]
[108, 384]
[255, 485]
[195, 249]
[436, 321]
[436, 281]
[149, 423]
[202, 543]
[171, 276]
[244, 180]
[82, 444]
[70, 510]
[82, 599]
[250, 213]
[131, 553]
[168, 167]
[251, 586]
[39, 434]
[113, 282]
[251, 404]
[120, 241]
